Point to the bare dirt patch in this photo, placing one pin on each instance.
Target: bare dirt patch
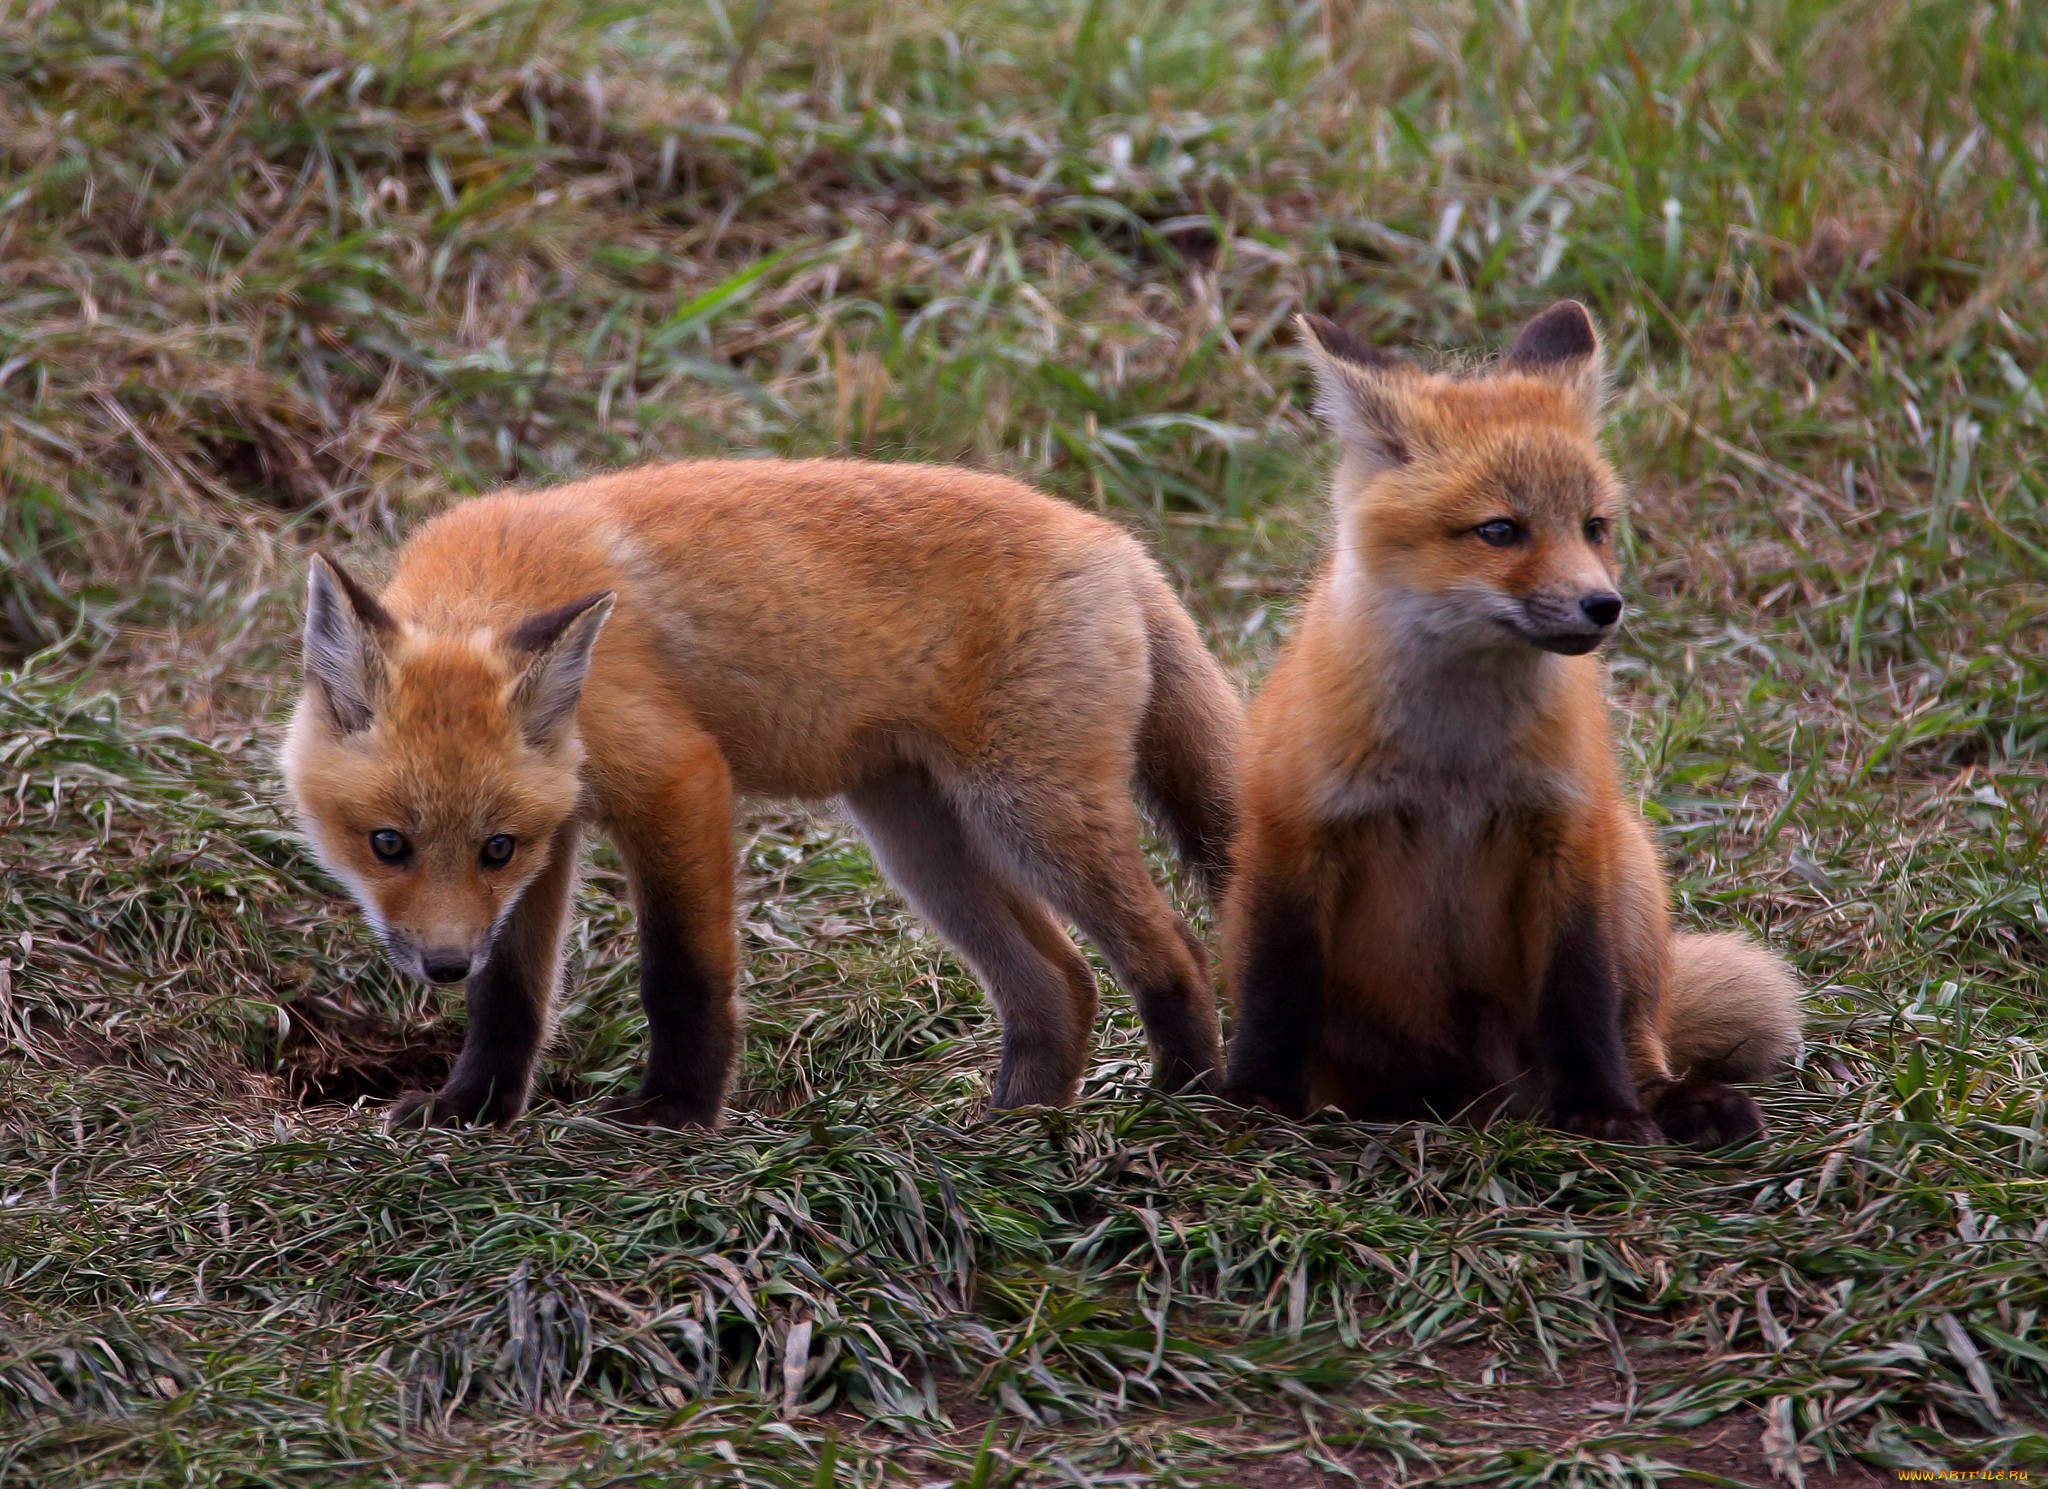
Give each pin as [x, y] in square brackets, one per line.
[336, 1055]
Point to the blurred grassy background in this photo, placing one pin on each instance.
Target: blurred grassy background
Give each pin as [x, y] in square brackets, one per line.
[299, 274]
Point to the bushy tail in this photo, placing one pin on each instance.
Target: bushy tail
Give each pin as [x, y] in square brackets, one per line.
[1189, 741]
[1734, 1009]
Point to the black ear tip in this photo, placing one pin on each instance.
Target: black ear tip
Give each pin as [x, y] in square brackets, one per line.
[1563, 333]
[324, 577]
[1333, 340]
[326, 586]
[1318, 328]
[538, 632]
[1572, 316]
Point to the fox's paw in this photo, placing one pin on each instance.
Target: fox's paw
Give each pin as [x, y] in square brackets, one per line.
[1186, 1080]
[1613, 1125]
[657, 1111]
[422, 1109]
[450, 1107]
[1192, 1069]
[1262, 1101]
[1034, 1076]
[1706, 1114]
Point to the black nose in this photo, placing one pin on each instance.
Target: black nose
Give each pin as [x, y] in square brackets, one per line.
[445, 966]
[1601, 609]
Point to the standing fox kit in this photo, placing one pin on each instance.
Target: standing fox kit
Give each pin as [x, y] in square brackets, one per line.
[1441, 901]
[978, 671]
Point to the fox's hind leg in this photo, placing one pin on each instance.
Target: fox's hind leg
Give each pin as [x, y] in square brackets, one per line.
[1077, 844]
[1043, 991]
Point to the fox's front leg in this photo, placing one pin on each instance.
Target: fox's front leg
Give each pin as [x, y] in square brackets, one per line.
[675, 833]
[1579, 1016]
[508, 998]
[1279, 974]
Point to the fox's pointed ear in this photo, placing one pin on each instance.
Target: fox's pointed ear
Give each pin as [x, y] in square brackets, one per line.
[558, 644]
[1562, 345]
[1360, 394]
[346, 630]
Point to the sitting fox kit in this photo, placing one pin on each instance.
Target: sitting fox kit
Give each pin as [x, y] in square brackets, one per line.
[1442, 903]
[978, 671]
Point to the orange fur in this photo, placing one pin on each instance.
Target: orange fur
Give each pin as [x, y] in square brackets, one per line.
[979, 670]
[1442, 899]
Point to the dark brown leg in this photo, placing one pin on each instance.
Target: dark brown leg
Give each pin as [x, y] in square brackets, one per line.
[675, 834]
[1279, 986]
[1579, 1015]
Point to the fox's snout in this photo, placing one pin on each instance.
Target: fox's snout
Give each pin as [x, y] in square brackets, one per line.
[441, 960]
[442, 964]
[1570, 624]
[1603, 607]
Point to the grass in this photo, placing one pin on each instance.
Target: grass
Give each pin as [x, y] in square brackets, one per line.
[301, 273]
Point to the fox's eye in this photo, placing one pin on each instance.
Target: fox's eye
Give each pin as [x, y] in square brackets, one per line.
[1499, 533]
[497, 850]
[388, 845]
[1596, 530]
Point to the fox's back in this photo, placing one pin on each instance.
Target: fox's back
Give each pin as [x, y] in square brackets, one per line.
[807, 612]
